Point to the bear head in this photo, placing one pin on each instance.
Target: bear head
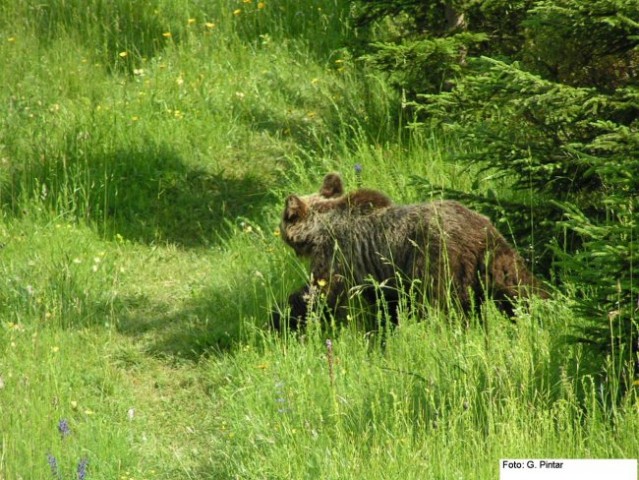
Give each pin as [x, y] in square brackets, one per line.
[296, 226]
[301, 227]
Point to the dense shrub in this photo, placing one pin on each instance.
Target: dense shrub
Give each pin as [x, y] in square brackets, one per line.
[548, 100]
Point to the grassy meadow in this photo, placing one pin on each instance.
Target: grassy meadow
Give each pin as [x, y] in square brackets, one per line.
[145, 152]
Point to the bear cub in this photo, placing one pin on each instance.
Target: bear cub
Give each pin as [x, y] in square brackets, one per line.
[362, 242]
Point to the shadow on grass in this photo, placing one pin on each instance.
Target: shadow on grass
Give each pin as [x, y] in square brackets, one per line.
[147, 195]
[215, 321]
[177, 204]
[188, 334]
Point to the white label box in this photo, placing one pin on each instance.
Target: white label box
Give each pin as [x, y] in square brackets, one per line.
[567, 469]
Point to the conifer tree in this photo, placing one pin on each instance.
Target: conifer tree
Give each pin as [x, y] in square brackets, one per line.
[544, 93]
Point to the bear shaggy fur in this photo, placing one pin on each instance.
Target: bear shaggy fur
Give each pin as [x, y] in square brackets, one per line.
[362, 242]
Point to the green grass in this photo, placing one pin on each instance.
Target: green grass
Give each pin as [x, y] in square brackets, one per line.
[141, 180]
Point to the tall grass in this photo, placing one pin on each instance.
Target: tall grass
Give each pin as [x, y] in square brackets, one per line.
[195, 115]
[439, 401]
[145, 149]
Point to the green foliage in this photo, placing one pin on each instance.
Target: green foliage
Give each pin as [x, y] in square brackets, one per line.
[560, 130]
[583, 44]
[553, 111]
[425, 65]
[432, 41]
[606, 262]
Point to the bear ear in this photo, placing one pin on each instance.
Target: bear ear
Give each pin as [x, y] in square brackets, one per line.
[295, 209]
[332, 186]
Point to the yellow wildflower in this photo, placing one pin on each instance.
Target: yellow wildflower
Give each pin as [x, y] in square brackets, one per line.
[261, 5]
[209, 25]
[167, 35]
[190, 21]
[124, 54]
[237, 12]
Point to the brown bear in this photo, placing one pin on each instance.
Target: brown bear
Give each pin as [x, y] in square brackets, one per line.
[362, 242]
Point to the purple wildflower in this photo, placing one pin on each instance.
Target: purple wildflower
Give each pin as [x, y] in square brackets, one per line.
[358, 173]
[53, 463]
[281, 399]
[82, 468]
[63, 428]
